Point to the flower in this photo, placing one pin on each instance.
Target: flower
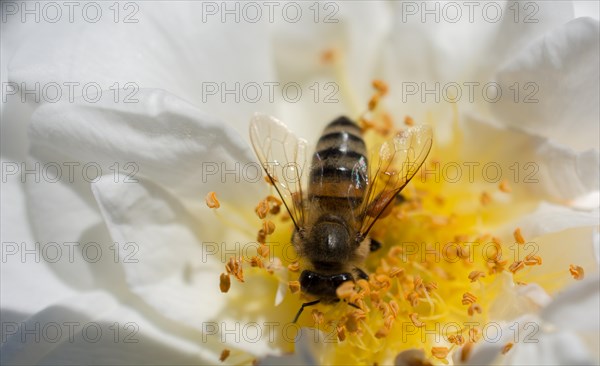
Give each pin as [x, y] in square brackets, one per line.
[157, 280]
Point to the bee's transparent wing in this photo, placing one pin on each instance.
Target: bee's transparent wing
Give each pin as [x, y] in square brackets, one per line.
[283, 157]
[397, 162]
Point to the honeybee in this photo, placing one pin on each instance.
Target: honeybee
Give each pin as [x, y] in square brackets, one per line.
[345, 194]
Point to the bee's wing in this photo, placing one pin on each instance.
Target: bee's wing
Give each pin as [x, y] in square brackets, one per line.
[398, 161]
[283, 157]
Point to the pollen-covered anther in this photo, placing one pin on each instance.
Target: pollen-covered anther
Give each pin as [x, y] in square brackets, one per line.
[474, 335]
[263, 250]
[382, 333]
[256, 262]
[345, 291]
[430, 286]
[212, 201]
[270, 179]
[576, 272]
[418, 284]
[380, 86]
[516, 266]
[328, 56]
[440, 352]
[317, 316]
[294, 286]
[476, 275]
[497, 265]
[261, 236]
[341, 332]
[474, 308]
[468, 298]
[504, 187]
[224, 355]
[365, 124]
[389, 321]
[507, 347]
[374, 101]
[234, 267]
[364, 287]
[268, 227]
[414, 317]
[413, 299]
[262, 209]
[395, 272]
[518, 236]
[409, 121]
[394, 307]
[351, 323]
[457, 339]
[384, 307]
[532, 260]
[293, 267]
[485, 198]
[225, 282]
[381, 281]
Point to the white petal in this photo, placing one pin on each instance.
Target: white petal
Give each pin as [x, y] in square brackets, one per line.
[356, 31]
[92, 329]
[160, 137]
[515, 300]
[561, 69]
[576, 308]
[534, 166]
[549, 218]
[170, 47]
[309, 344]
[587, 9]
[551, 348]
[168, 267]
[19, 349]
[534, 343]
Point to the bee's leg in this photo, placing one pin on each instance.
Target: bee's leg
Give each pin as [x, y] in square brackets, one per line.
[374, 245]
[361, 274]
[303, 306]
[354, 305]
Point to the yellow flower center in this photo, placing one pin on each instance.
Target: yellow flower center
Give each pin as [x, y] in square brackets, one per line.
[433, 281]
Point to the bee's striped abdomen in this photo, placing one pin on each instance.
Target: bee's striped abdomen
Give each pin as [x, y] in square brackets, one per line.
[338, 174]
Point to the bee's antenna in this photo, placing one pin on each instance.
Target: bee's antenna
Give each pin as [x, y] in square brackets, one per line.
[303, 306]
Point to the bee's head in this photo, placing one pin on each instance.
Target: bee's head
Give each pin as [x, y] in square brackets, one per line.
[331, 240]
[323, 286]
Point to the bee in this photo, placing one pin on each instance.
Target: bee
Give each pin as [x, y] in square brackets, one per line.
[346, 193]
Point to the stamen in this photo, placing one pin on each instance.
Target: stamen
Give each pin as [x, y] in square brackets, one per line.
[576, 272]
[212, 201]
[225, 283]
[476, 275]
[224, 355]
[507, 348]
[518, 236]
[294, 286]
[440, 352]
[294, 267]
[505, 187]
